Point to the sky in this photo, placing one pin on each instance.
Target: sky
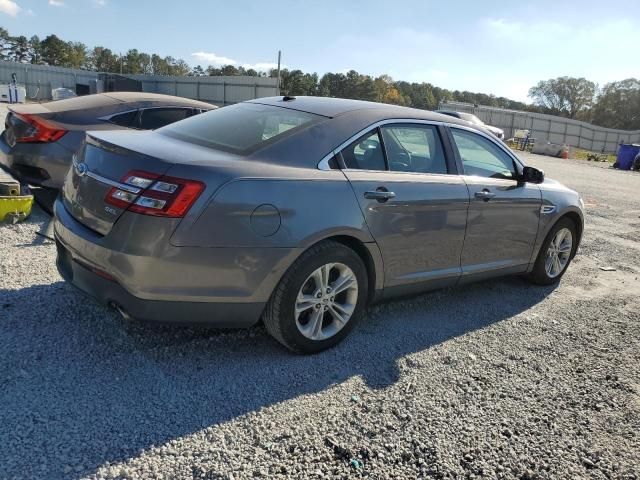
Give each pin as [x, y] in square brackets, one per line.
[495, 47]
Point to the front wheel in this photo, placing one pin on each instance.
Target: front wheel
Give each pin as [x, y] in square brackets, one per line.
[555, 254]
[319, 299]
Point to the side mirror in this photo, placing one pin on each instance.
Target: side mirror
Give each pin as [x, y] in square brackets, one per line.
[532, 175]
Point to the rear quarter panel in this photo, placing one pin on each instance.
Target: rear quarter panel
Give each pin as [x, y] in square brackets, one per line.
[293, 211]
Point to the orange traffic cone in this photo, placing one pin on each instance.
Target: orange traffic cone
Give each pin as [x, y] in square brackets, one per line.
[565, 152]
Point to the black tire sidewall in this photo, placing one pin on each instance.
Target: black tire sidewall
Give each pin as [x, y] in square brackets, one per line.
[291, 335]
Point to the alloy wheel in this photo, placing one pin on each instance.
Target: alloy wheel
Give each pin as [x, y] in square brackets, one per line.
[558, 253]
[326, 301]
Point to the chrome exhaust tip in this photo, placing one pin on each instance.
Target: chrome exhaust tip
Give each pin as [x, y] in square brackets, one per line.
[121, 311]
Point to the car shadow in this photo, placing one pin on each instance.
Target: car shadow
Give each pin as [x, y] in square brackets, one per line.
[80, 387]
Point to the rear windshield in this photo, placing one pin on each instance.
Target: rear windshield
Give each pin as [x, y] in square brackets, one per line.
[241, 128]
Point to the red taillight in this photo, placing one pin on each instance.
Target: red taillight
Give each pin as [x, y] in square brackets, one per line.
[39, 130]
[159, 196]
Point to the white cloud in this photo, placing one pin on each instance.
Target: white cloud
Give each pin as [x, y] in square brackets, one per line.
[262, 66]
[211, 58]
[502, 27]
[56, 3]
[100, 3]
[29, 13]
[9, 7]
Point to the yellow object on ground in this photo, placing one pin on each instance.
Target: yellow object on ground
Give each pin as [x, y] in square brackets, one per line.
[15, 208]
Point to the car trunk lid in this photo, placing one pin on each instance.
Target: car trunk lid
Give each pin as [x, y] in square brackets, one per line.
[108, 158]
[98, 168]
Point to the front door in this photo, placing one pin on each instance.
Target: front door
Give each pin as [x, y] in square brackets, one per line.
[414, 208]
[503, 212]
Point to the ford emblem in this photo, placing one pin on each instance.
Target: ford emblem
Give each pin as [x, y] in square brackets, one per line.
[80, 167]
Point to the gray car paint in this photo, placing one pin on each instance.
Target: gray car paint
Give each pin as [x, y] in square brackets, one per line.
[260, 212]
[77, 115]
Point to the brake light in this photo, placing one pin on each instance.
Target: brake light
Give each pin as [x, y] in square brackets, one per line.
[159, 196]
[38, 130]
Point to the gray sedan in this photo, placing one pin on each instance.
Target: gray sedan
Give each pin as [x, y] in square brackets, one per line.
[302, 211]
[40, 138]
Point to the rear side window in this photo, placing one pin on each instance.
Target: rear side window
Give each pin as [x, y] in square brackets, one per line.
[241, 128]
[152, 118]
[124, 119]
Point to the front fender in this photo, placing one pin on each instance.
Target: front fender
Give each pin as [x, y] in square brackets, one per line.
[565, 202]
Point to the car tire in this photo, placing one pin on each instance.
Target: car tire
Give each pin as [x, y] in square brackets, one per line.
[302, 314]
[546, 272]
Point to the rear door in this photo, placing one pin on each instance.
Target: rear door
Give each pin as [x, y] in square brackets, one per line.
[503, 212]
[413, 201]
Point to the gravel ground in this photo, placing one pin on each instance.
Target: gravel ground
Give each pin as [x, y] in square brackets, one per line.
[499, 379]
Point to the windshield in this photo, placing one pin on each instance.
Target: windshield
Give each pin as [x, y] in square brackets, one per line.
[241, 128]
[471, 118]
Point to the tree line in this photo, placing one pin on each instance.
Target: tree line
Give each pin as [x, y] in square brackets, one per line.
[615, 105]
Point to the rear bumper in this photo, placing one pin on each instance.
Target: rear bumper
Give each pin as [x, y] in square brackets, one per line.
[223, 287]
[108, 292]
[37, 164]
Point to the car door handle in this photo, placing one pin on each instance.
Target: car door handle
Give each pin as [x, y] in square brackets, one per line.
[380, 195]
[485, 195]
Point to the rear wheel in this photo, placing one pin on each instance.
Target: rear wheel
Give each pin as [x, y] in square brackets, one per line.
[555, 254]
[319, 299]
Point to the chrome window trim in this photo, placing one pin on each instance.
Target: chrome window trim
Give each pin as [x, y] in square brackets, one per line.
[324, 163]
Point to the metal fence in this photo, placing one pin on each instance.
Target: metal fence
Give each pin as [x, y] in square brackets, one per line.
[39, 80]
[217, 90]
[550, 128]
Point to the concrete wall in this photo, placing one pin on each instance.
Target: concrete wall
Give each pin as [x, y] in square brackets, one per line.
[550, 128]
[39, 80]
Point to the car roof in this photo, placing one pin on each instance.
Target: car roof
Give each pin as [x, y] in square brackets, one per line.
[334, 107]
[155, 97]
[116, 98]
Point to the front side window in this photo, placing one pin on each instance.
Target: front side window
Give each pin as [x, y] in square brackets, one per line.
[365, 153]
[240, 128]
[414, 148]
[482, 157]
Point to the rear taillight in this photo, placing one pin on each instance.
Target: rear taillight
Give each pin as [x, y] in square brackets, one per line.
[160, 196]
[37, 129]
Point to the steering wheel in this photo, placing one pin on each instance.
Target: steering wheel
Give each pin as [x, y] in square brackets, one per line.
[402, 161]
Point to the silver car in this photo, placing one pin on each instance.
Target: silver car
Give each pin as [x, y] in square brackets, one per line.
[471, 118]
[302, 211]
[40, 138]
